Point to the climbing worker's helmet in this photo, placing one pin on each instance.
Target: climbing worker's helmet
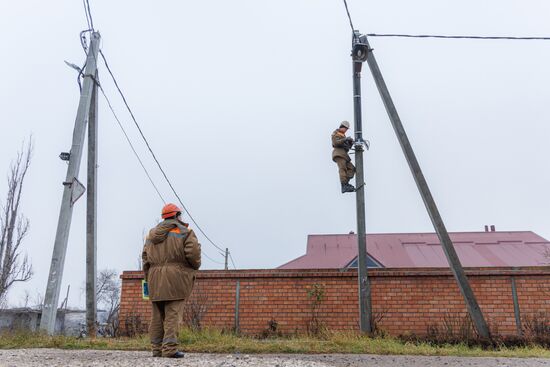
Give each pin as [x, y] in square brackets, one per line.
[170, 210]
[344, 124]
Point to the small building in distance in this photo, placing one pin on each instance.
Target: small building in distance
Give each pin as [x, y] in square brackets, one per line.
[423, 250]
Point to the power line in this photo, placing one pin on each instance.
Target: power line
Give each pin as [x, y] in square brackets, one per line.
[88, 14]
[130, 142]
[211, 259]
[231, 258]
[84, 46]
[139, 159]
[96, 81]
[349, 17]
[507, 38]
[153, 154]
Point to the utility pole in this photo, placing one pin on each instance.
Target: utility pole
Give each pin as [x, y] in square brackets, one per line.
[474, 310]
[365, 309]
[91, 217]
[72, 190]
[226, 258]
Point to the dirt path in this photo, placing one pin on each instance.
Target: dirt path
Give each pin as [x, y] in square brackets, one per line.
[92, 358]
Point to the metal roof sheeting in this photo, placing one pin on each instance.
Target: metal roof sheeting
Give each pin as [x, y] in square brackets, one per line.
[410, 250]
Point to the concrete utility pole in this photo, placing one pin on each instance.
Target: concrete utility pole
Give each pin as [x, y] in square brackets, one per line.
[72, 190]
[226, 259]
[91, 217]
[365, 309]
[421, 183]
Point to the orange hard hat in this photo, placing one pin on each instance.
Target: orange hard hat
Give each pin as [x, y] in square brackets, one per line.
[170, 210]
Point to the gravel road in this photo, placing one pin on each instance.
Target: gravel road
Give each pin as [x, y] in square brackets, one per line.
[93, 358]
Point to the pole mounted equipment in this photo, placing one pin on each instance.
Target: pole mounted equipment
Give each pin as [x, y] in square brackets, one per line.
[359, 50]
[64, 156]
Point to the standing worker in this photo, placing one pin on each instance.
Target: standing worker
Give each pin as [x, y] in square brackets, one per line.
[342, 145]
[171, 256]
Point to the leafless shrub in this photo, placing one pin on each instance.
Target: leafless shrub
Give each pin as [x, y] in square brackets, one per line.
[316, 296]
[195, 308]
[133, 324]
[14, 226]
[536, 326]
[272, 330]
[376, 319]
[453, 329]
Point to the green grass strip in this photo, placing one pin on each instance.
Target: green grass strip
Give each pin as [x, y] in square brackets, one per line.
[213, 341]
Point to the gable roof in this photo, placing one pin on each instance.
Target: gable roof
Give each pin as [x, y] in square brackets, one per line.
[409, 250]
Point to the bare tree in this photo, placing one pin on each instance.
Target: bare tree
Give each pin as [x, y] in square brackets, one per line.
[14, 226]
[195, 308]
[108, 296]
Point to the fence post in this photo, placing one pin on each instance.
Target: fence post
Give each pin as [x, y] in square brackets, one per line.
[516, 306]
[237, 302]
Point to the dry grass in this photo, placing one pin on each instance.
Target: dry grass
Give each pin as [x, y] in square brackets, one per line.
[211, 341]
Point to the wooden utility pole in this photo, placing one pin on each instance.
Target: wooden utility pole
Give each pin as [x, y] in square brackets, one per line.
[422, 185]
[72, 189]
[365, 309]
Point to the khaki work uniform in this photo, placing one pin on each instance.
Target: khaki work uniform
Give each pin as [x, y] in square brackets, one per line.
[171, 256]
[340, 155]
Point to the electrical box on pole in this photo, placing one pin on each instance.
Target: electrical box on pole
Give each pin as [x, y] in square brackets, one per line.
[72, 189]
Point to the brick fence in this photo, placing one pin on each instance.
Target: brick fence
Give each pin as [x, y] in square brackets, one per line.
[407, 300]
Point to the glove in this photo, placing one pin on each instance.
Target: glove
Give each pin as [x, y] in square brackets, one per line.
[348, 143]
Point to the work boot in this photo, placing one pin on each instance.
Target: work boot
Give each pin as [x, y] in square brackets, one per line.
[178, 355]
[346, 187]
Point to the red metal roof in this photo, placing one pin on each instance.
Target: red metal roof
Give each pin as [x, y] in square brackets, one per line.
[406, 250]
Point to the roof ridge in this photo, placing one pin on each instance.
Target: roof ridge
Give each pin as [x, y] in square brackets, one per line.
[434, 233]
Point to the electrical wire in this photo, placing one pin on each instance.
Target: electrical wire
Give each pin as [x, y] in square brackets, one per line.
[398, 35]
[84, 45]
[507, 38]
[96, 81]
[139, 159]
[349, 17]
[130, 143]
[89, 19]
[211, 259]
[232, 262]
[153, 154]
[88, 12]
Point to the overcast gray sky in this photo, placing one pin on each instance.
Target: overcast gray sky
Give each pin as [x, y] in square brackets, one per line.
[238, 99]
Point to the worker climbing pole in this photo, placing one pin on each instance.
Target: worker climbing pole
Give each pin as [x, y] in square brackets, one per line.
[362, 52]
[340, 155]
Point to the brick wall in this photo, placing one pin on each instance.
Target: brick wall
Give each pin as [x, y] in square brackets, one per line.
[409, 299]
